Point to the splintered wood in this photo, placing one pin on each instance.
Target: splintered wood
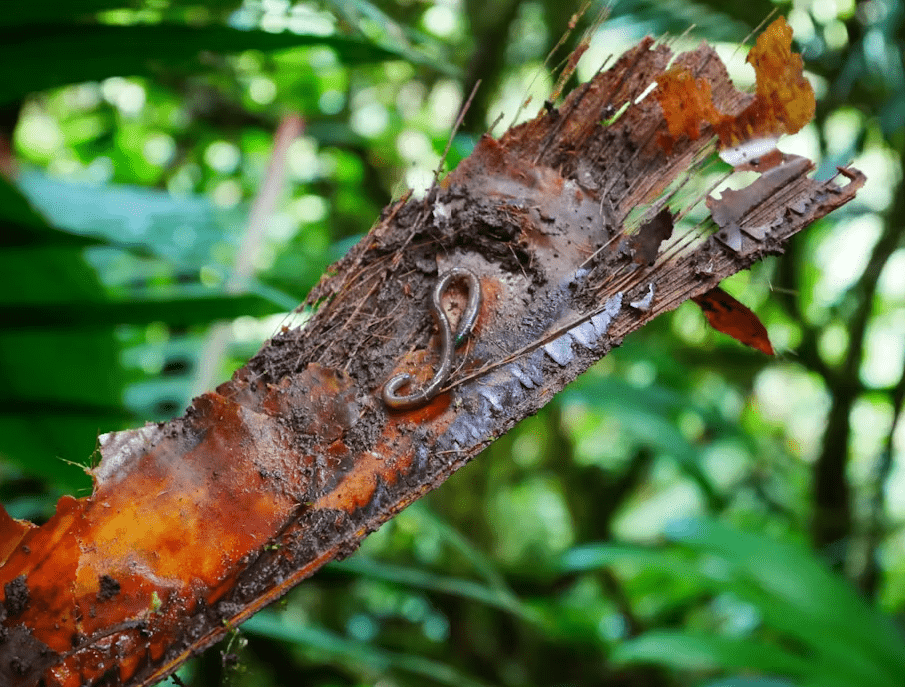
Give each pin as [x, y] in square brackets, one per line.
[570, 223]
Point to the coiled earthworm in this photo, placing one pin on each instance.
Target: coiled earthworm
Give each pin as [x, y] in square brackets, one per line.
[448, 343]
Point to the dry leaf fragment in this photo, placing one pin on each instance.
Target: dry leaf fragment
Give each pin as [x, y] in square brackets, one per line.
[732, 208]
[646, 243]
[784, 99]
[782, 104]
[726, 314]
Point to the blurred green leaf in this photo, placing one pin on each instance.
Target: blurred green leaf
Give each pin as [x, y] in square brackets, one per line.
[404, 38]
[182, 229]
[645, 414]
[35, 58]
[57, 390]
[836, 637]
[748, 682]
[22, 12]
[21, 225]
[690, 651]
[179, 311]
[338, 648]
[482, 563]
[597, 556]
[797, 594]
[422, 579]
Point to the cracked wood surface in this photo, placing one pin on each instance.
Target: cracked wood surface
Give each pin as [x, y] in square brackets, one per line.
[197, 523]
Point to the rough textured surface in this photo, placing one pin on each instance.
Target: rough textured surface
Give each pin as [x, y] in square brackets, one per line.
[197, 523]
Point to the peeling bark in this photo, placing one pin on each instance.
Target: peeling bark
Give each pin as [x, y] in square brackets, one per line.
[197, 523]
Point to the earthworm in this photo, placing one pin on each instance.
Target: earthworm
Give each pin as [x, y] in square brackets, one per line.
[448, 343]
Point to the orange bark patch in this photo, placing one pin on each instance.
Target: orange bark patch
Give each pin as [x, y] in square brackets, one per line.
[160, 533]
[11, 533]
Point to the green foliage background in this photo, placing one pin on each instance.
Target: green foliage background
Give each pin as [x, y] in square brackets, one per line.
[687, 513]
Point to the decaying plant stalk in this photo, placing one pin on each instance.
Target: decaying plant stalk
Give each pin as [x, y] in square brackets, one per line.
[567, 224]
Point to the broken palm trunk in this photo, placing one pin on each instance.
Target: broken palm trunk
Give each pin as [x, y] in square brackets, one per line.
[197, 523]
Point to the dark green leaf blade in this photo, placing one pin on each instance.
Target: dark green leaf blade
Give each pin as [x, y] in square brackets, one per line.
[35, 58]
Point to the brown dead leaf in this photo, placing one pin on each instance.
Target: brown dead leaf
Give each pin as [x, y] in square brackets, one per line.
[728, 315]
[645, 244]
[783, 101]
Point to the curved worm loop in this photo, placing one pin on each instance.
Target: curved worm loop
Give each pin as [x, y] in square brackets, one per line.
[448, 343]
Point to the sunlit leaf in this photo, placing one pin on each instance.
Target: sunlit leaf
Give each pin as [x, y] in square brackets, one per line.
[182, 229]
[21, 225]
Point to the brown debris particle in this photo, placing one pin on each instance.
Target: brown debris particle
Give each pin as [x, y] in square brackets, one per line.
[17, 596]
[109, 588]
